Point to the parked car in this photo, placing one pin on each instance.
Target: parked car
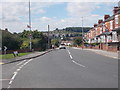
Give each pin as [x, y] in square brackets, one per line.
[62, 46]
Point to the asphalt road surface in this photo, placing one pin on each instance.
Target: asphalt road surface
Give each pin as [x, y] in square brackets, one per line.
[65, 68]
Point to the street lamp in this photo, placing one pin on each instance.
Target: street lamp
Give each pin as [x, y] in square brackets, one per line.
[48, 37]
[30, 36]
[82, 33]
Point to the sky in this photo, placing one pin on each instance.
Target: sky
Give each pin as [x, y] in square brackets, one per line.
[14, 15]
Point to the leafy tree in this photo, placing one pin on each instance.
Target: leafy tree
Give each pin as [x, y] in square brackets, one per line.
[25, 44]
[55, 42]
[77, 41]
[10, 40]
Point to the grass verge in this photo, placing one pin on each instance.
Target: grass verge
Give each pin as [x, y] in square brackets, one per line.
[10, 56]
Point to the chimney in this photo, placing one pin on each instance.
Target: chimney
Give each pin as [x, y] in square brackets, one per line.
[95, 25]
[100, 21]
[115, 10]
[106, 17]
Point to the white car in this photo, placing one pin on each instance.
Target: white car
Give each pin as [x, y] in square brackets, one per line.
[62, 46]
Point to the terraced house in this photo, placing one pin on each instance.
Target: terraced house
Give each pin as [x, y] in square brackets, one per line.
[106, 33]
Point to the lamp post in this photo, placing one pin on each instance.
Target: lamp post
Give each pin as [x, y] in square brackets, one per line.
[48, 37]
[30, 36]
[82, 33]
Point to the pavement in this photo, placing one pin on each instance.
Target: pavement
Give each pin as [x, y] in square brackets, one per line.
[65, 68]
[29, 56]
[115, 55]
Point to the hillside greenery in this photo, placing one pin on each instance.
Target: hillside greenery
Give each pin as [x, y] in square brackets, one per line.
[14, 41]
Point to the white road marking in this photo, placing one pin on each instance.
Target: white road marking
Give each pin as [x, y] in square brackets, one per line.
[78, 63]
[18, 70]
[30, 59]
[10, 82]
[21, 62]
[70, 54]
[25, 63]
[71, 57]
[20, 67]
[15, 73]
[9, 86]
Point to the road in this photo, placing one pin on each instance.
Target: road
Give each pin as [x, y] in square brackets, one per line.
[66, 68]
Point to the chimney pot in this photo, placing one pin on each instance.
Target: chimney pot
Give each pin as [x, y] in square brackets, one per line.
[106, 17]
[95, 25]
[115, 10]
[100, 21]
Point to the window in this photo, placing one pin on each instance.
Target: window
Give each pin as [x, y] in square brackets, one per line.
[108, 38]
[111, 25]
[116, 19]
[100, 30]
[114, 37]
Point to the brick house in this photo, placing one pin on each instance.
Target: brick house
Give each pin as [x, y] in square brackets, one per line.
[107, 28]
[116, 30]
[107, 32]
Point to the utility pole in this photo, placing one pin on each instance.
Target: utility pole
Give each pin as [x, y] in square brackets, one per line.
[82, 34]
[48, 37]
[30, 36]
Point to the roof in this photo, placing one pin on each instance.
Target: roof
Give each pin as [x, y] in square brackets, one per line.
[110, 18]
[118, 12]
[100, 24]
[106, 33]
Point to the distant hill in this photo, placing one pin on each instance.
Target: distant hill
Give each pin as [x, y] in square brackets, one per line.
[77, 29]
[67, 32]
[74, 29]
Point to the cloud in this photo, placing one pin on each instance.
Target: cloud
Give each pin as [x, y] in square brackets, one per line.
[17, 12]
[80, 9]
[14, 11]
[45, 19]
[15, 15]
[41, 11]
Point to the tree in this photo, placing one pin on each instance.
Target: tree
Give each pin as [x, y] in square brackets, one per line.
[77, 41]
[55, 42]
[10, 40]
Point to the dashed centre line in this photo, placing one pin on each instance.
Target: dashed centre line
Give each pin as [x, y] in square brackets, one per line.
[78, 63]
[73, 60]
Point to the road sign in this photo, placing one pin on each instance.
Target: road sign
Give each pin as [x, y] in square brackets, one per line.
[5, 48]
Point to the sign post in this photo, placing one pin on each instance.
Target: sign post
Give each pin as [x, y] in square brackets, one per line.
[30, 36]
[5, 48]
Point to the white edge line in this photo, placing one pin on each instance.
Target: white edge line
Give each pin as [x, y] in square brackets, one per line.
[14, 76]
[18, 69]
[15, 73]
[21, 62]
[10, 82]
